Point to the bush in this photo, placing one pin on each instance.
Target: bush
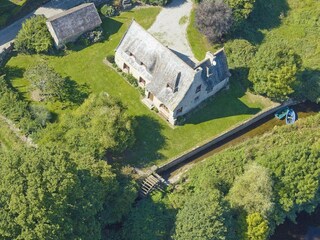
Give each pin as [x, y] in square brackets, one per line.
[155, 2]
[130, 78]
[110, 58]
[213, 19]
[34, 36]
[241, 9]
[107, 10]
[91, 37]
[273, 70]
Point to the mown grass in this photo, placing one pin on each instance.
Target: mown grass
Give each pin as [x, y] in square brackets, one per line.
[156, 140]
[8, 140]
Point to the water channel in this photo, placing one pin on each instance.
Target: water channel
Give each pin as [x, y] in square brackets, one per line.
[308, 226]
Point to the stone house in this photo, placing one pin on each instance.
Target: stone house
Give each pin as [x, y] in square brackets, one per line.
[171, 85]
[69, 25]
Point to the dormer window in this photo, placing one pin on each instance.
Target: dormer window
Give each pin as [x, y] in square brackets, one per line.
[130, 54]
[179, 110]
[198, 89]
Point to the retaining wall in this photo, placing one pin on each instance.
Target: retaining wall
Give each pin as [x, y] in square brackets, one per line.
[221, 137]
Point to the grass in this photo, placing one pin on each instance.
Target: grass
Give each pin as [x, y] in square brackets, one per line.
[8, 140]
[11, 10]
[198, 42]
[183, 20]
[156, 140]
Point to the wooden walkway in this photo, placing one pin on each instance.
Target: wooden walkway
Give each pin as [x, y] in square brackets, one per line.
[153, 182]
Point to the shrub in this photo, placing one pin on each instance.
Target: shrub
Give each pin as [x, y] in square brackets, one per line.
[155, 2]
[130, 78]
[241, 9]
[142, 92]
[107, 10]
[273, 70]
[110, 58]
[213, 19]
[34, 36]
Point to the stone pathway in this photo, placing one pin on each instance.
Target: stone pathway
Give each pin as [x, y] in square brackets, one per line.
[50, 9]
[170, 28]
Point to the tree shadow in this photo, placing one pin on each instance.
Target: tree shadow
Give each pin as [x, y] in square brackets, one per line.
[226, 103]
[265, 15]
[74, 92]
[12, 72]
[149, 141]
[308, 86]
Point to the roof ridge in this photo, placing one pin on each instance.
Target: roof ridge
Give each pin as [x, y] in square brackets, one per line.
[165, 47]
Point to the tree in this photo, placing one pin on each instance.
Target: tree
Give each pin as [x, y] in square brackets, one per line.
[46, 82]
[98, 126]
[253, 191]
[240, 53]
[310, 85]
[34, 36]
[241, 9]
[149, 219]
[45, 193]
[213, 19]
[273, 70]
[258, 228]
[204, 216]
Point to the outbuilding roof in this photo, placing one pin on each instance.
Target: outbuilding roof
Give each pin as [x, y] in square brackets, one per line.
[70, 24]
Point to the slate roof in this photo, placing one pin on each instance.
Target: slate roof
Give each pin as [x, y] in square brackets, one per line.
[70, 24]
[170, 77]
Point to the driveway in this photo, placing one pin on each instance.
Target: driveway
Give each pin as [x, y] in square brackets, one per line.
[50, 9]
[170, 27]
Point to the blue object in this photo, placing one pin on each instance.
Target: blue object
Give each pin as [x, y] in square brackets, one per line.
[291, 117]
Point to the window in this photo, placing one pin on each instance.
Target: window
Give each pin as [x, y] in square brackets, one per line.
[196, 99]
[179, 110]
[198, 89]
[130, 53]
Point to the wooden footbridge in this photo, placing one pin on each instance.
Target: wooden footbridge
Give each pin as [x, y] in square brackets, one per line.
[153, 182]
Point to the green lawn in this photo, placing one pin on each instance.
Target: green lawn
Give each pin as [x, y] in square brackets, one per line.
[156, 140]
[8, 140]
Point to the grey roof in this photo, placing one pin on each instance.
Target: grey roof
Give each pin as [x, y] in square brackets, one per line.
[70, 24]
[170, 77]
[160, 65]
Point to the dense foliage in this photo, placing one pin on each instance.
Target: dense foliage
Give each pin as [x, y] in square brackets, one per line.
[274, 70]
[283, 181]
[107, 10]
[241, 9]
[47, 194]
[98, 126]
[213, 19]
[34, 36]
[29, 118]
[204, 216]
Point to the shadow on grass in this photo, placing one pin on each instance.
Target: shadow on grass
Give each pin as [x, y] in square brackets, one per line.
[149, 141]
[15, 72]
[225, 104]
[110, 27]
[74, 92]
[266, 15]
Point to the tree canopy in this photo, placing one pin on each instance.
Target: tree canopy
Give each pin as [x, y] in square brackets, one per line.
[213, 19]
[99, 125]
[45, 82]
[46, 194]
[34, 36]
[241, 9]
[273, 70]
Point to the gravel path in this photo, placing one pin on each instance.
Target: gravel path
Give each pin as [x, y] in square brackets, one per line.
[170, 27]
[50, 9]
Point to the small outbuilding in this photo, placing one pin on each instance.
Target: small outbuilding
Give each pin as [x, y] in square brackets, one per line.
[171, 85]
[69, 25]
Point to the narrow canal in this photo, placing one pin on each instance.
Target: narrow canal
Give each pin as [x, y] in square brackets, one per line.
[264, 125]
[308, 226]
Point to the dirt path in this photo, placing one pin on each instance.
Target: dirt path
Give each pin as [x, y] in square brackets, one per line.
[170, 27]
